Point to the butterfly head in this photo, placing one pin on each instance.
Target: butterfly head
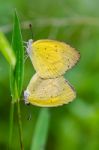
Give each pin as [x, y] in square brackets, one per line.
[29, 47]
[26, 95]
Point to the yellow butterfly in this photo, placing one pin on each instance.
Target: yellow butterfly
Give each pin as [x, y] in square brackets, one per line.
[49, 92]
[51, 59]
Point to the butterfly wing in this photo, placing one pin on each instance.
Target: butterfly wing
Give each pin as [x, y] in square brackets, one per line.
[52, 58]
[49, 92]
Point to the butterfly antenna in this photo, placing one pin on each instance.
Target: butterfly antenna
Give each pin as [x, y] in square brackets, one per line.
[30, 26]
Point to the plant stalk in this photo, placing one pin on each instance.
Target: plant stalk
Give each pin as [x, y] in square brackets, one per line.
[20, 125]
[11, 124]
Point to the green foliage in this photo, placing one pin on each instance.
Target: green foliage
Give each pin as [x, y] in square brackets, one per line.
[16, 77]
[18, 72]
[6, 50]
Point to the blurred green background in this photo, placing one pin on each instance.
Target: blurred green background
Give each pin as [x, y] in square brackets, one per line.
[76, 125]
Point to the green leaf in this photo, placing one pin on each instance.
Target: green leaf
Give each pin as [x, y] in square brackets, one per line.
[41, 131]
[13, 86]
[18, 73]
[6, 50]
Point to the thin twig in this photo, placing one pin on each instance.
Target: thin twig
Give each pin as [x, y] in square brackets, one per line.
[20, 125]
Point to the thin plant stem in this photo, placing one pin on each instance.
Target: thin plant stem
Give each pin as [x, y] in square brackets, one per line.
[11, 124]
[20, 125]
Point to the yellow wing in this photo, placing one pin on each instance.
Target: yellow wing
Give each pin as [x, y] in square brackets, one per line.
[49, 92]
[52, 58]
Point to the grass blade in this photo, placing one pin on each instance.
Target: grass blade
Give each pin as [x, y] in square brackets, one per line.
[6, 50]
[17, 74]
[41, 131]
[17, 44]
